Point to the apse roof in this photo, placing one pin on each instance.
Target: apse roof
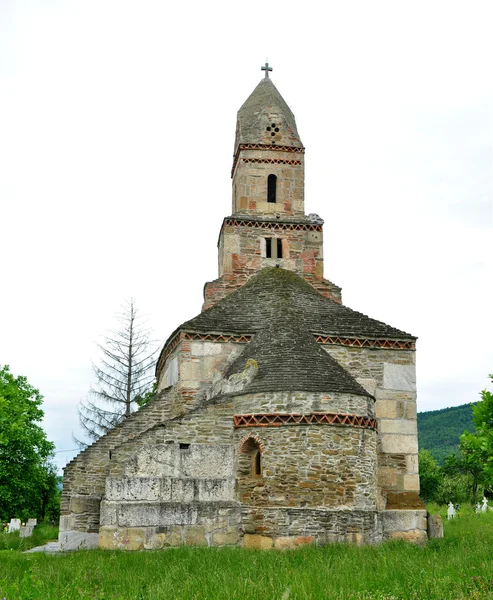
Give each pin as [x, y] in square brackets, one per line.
[289, 359]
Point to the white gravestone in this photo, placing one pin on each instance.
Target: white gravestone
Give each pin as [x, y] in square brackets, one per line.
[32, 522]
[484, 508]
[14, 525]
[477, 508]
[25, 531]
[450, 511]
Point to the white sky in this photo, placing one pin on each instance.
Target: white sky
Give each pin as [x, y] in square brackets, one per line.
[117, 124]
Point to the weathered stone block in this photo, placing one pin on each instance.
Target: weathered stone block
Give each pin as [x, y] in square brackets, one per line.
[403, 500]
[108, 514]
[386, 409]
[435, 526]
[259, 542]
[195, 535]
[410, 483]
[303, 540]
[155, 540]
[412, 463]
[393, 443]
[67, 522]
[228, 537]
[403, 520]
[77, 540]
[397, 426]
[285, 543]
[399, 377]
[84, 504]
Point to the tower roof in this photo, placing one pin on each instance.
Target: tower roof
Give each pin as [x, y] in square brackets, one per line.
[274, 291]
[265, 118]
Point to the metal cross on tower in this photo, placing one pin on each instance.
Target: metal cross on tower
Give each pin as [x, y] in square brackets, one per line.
[266, 69]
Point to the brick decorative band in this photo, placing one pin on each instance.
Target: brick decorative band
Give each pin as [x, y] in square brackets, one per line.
[278, 420]
[273, 225]
[271, 147]
[244, 338]
[212, 337]
[263, 147]
[271, 161]
[366, 343]
[192, 336]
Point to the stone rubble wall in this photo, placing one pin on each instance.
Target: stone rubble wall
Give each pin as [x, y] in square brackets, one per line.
[305, 402]
[241, 252]
[267, 527]
[249, 185]
[312, 466]
[393, 375]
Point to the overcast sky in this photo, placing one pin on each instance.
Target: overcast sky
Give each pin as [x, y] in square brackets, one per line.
[117, 124]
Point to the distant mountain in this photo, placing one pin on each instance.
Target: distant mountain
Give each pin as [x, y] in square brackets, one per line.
[439, 430]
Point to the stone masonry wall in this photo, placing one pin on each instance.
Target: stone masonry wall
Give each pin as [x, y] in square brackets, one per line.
[250, 182]
[241, 254]
[305, 402]
[242, 249]
[390, 374]
[85, 476]
[312, 466]
[266, 527]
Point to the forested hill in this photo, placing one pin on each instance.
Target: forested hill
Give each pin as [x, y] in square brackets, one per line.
[439, 430]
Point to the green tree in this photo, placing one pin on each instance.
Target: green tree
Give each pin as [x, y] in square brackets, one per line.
[470, 461]
[430, 477]
[483, 420]
[26, 475]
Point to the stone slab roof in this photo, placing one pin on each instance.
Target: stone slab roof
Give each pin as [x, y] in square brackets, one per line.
[274, 291]
[264, 102]
[289, 359]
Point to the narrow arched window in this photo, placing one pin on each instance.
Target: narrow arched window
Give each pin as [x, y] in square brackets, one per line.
[271, 188]
[257, 464]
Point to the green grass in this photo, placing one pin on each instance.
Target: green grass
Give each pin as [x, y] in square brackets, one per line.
[459, 566]
[41, 535]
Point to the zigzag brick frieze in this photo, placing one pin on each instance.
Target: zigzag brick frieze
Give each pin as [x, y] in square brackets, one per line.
[263, 147]
[274, 225]
[210, 337]
[271, 147]
[272, 161]
[366, 343]
[203, 337]
[279, 419]
[321, 339]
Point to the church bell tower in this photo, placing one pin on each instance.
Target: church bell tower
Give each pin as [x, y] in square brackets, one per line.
[268, 226]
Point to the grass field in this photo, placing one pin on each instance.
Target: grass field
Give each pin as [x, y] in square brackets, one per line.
[459, 566]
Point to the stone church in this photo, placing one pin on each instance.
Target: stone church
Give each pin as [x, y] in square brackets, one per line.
[283, 417]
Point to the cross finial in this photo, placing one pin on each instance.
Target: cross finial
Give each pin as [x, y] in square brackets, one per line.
[266, 69]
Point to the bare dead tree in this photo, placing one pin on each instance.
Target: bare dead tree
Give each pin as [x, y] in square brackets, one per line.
[124, 376]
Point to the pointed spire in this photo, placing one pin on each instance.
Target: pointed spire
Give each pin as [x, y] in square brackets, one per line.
[263, 107]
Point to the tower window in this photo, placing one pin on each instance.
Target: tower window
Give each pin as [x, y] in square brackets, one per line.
[279, 248]
[271, 188]
[273, 248]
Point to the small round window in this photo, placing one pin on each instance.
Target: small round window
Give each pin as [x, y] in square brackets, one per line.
[273, 128]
